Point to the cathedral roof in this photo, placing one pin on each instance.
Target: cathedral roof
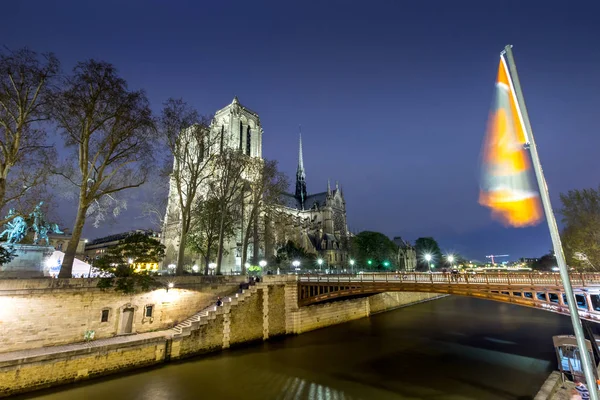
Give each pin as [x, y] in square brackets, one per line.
[291, 201]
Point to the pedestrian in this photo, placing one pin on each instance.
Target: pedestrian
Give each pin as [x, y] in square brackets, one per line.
[257, 279]
[581, 388]
[219, 302]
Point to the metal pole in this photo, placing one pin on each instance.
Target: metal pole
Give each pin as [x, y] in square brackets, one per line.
[554, 234]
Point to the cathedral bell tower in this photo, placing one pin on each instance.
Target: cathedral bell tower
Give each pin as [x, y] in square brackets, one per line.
[301, 178]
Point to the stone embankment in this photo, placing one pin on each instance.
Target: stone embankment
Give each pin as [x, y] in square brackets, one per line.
[36, 355]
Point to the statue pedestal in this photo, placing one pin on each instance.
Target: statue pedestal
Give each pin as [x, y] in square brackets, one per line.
[29, 263]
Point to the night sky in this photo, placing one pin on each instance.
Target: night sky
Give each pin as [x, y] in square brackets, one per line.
[393, 96]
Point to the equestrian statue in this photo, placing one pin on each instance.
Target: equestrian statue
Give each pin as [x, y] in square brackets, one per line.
[17, 228]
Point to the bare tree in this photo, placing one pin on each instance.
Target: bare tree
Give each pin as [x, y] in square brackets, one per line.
[110, 129]
[188, 138]
[266, 185]
[26, 81]
[203, 237]
[228, 188]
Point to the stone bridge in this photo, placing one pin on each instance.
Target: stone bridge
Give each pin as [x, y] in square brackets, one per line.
[538, 290]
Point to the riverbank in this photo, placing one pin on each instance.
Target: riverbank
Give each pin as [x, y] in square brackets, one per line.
[452, 348]
[266, 310]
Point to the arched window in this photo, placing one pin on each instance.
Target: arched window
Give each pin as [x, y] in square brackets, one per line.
[241, 134]
[222, 136]
[248, 138]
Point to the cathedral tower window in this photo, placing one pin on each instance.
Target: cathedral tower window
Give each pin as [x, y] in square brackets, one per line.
[222, 136]
[248, 138]
[241, 134]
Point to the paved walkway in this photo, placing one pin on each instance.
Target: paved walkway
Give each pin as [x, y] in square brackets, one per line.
[44, 351]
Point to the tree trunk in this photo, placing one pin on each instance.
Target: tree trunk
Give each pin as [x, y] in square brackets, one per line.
[221, 240]
[66, 269]
[245, 243]
[255, 238]
[185, 228]
[206, 262]
[181, 250]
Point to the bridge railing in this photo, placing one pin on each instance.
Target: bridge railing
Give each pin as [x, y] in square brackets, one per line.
[534, 278]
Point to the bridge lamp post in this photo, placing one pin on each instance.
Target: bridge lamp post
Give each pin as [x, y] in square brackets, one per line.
[450, 259]
[352, 265]
[296, 264]
[428, 259]
[320, 262]
[262, 263]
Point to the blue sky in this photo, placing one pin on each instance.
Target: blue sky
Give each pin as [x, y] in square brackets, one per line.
[393, 96]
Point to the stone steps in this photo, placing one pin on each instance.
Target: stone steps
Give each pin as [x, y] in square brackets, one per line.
[202, 317]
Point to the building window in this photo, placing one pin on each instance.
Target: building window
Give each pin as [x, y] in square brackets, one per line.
[335, 256]
[241, 134]
[149, 311]
[248, 138]
[104, 317]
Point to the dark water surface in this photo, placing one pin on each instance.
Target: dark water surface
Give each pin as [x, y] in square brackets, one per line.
[448, 349]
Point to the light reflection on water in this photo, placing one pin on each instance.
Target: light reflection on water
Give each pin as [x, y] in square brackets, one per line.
[453, 348]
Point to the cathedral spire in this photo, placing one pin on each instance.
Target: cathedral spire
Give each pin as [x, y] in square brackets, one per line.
[300, 176]
[328, 187]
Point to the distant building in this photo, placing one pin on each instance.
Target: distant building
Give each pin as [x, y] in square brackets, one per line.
[98, 247]
[407, 255]
[529, 260]
[60, 243]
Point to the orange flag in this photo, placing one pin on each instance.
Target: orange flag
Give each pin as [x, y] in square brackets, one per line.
[507, 187]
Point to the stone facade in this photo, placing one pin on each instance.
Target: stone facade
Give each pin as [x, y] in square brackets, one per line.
[316, 222]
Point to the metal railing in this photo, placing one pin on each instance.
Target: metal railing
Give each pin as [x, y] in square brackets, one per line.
[516, 279]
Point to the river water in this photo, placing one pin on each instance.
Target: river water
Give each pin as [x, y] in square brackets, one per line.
[448, 349]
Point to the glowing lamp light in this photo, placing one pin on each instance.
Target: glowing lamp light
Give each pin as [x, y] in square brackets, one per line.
[247, 265]
[320, 261]
[130, 261]
[262, 263]
[428, 257]
[369, 262]
[450, 258]
[386, 263]
[171, 285]
[195, 268]
[212, 265]
[296, 263]
[352, 262]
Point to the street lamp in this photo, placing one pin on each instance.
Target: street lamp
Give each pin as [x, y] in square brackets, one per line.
[320, 262]
[428, 258]
[262, 263]
[352, 265]
[450, 259]
[296, 264]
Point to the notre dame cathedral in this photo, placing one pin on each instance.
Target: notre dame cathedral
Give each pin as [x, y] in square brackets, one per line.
[316, 222]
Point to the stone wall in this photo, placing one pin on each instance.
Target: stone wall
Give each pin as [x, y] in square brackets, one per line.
[49, 312]
[52, 369]
[318, 316]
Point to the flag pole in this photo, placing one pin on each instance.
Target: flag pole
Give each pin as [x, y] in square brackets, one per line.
[554, 234]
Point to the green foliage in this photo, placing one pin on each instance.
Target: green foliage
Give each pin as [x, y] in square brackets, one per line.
[7, 254]
[117, 266]
[428, 245]
[290, 252]
[375, 247]
[581, 234]
[545, 263]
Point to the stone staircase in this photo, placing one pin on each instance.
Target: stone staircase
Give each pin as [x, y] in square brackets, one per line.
[186, 327]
